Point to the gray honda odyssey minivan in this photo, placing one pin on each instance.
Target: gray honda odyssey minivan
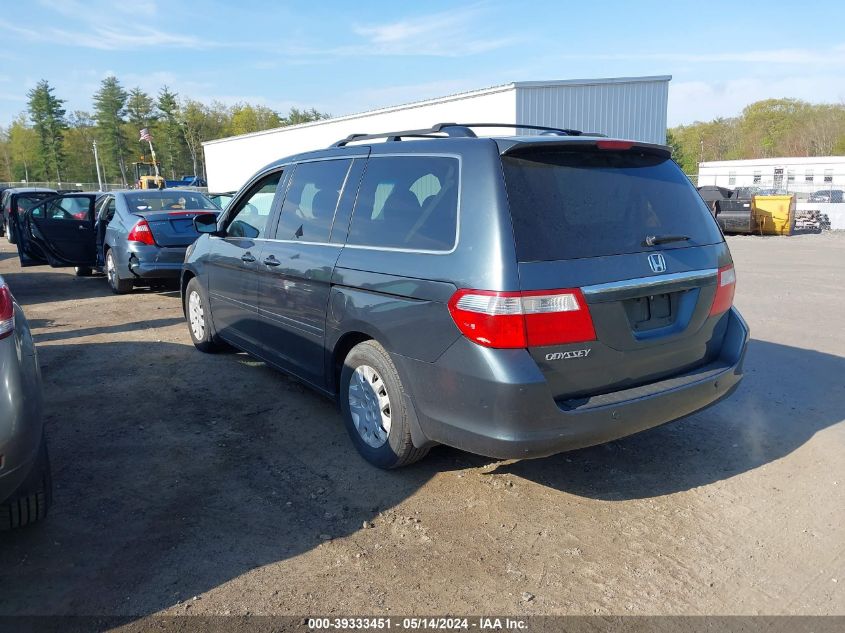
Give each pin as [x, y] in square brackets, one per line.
[513, 296]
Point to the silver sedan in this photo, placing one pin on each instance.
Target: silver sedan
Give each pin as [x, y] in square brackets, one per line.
[25, 483]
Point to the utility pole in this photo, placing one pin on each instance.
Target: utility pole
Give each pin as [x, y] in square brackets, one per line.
[97, 165]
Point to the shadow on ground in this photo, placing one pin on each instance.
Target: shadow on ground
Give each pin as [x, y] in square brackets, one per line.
[31, 288]
[787, 396]
[177, 471]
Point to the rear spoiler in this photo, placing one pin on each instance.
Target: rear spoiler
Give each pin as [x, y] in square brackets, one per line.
[508, 147]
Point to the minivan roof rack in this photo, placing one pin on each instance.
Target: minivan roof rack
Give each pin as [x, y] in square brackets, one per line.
[452, 130]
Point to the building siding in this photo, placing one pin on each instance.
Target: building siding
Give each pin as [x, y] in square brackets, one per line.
[629, 109]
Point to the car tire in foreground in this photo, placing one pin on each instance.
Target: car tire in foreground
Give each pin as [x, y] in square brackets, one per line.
[374, 407]
[32, 500]
[198, 315]
[118, 285]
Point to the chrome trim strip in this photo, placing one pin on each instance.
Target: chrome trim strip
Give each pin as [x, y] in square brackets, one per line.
[650, 283]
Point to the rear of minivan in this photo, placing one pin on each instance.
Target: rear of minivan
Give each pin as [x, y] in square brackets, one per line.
[622, 319]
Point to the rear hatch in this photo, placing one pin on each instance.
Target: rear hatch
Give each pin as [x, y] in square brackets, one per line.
[170, 214]
[622, 225]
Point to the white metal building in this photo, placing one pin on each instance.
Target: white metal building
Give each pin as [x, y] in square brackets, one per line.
[798, 174]
[627, 107]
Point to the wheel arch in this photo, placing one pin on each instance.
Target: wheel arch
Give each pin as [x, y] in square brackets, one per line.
[340, 351]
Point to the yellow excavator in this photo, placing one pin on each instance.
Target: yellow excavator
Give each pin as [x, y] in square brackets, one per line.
[148, 174]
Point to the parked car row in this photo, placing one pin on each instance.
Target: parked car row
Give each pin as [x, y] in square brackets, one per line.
[513, 296]
[135, 237]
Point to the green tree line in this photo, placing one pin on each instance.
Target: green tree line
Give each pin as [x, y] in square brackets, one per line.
[47, 143]
[765, 129]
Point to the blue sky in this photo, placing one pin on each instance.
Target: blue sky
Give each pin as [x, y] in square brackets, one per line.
[345, 57]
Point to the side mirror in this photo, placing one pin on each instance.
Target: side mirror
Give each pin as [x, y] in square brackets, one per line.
[205, 223]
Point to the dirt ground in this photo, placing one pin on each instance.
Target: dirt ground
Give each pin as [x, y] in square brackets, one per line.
[189, 483]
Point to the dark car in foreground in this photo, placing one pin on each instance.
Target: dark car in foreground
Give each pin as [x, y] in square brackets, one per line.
[135, 237]
[18, 200]
[513, 296]
[25, 483]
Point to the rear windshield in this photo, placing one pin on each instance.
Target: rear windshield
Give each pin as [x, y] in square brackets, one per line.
[572, 204]
[142, 201]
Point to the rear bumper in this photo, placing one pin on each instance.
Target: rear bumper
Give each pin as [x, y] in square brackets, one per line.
[156, 262]
[496, 402]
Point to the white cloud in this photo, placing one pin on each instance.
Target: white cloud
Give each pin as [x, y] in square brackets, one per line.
[445, 34]
[703, 101]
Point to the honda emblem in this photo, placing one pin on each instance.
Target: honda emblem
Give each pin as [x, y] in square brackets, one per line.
[657, 263]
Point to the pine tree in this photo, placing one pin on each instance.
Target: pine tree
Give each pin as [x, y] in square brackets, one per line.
[109, 112]
[169, 131]
[48, 119]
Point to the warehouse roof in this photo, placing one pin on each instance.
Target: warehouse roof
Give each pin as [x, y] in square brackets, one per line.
[453, 97]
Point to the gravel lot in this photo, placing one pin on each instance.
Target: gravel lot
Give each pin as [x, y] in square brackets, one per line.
[197, 484]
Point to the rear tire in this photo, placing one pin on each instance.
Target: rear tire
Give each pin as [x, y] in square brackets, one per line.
[198, 316]
[376, 414]
[32, 500]
[118, 285]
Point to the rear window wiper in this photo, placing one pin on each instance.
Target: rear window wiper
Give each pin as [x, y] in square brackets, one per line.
[654, 240]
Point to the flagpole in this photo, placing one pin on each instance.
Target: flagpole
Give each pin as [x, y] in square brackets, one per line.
[155, 162]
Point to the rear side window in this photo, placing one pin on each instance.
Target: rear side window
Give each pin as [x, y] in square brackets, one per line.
[573, 204]
[311, 200]
[407, 202]
[64, 209]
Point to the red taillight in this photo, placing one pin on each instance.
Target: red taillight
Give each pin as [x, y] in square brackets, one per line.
[522, 319]
[619, 145]
[7, 312]
[141, 233]
[725, 287]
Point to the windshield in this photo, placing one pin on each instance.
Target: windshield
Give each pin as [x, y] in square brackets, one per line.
[143, 201]
[567, 204]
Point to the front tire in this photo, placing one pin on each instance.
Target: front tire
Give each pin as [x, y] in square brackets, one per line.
[32, 500]
[198, 317]
[374, 406]
[10, 234]
[118, 285]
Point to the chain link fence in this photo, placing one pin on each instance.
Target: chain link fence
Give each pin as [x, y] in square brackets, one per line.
[804, 191]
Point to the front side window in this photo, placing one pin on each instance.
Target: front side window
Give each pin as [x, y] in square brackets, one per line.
[757, 177]
[808, 176]
[311, 200]
[732, 178]
[249, 218]
[828, 175]
[408, 202]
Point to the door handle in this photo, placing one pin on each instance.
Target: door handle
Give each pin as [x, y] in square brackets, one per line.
[82, 227]
[247, 258]
[271, 261]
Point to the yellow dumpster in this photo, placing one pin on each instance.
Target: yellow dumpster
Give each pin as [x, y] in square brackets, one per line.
[774, 215]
